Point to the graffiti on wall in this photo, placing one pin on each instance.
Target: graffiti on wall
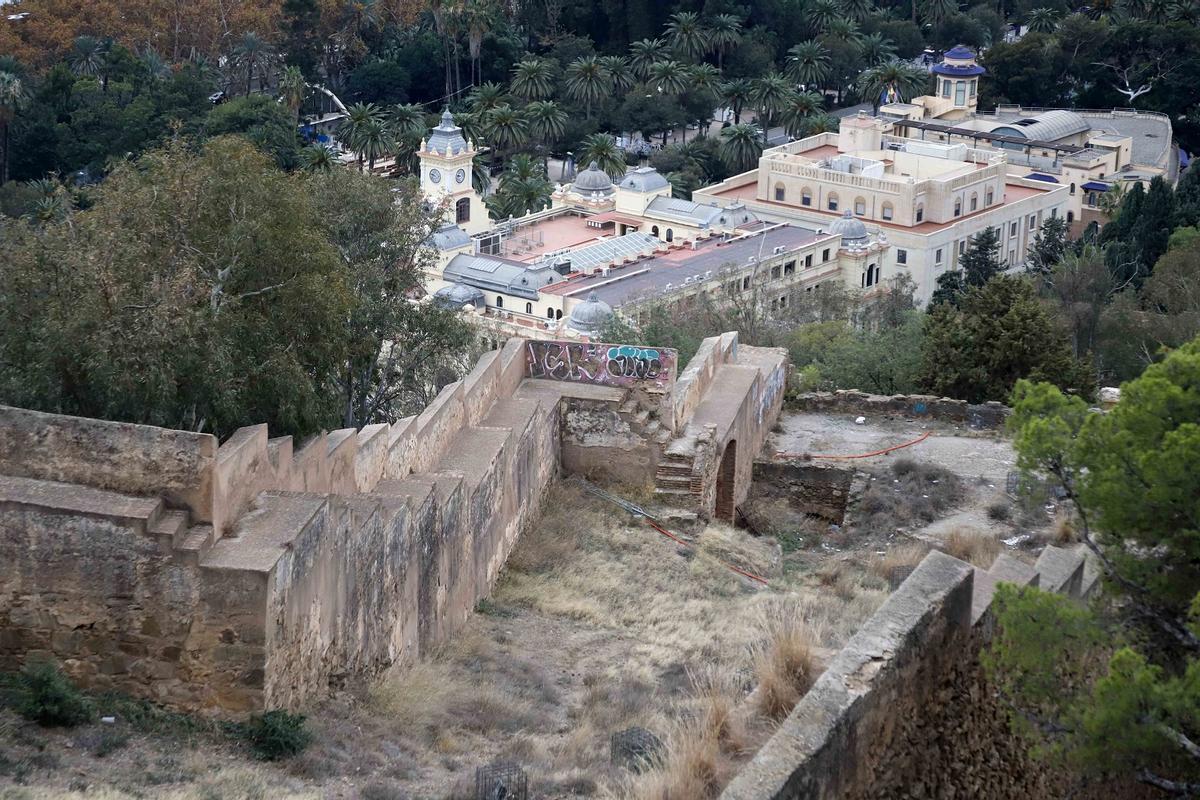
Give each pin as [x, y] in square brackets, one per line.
[605, 364]
[774, 386]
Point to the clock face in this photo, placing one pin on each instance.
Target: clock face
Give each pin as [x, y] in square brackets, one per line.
[435, 176]
[460, 176]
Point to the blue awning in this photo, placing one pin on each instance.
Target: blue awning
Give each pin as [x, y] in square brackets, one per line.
[1184, 158]
[1096, 186]
[1037, 176]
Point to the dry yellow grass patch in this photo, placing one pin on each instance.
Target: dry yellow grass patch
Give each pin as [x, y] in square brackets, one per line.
[1063, 528]
[785, 662]
[904, 557]
[240, 783]
[971, 546]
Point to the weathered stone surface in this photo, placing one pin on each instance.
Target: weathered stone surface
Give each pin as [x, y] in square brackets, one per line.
[987, 416]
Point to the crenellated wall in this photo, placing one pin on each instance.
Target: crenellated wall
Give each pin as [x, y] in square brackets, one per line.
[261, 572]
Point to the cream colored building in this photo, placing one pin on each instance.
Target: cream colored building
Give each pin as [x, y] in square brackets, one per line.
[446, 160]
[926, 199]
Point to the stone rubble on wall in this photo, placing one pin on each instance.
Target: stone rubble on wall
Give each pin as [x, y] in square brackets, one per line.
[981, 416]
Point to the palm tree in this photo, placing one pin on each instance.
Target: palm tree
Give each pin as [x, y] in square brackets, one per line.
[798, 112]
[533, 79]
[1042, 20]
[899, 80]
[12, 100]
[89, 56]
[857, 9]
[843, 30]
[547, 123]
[359, 118]
[374, 141]
[1187, 11]
[587, 82]
[687, 36]
[292, 89]
[486, 96]
[822, 13]
[875, 48]
[523, 188]
[479, 16]
[724, 33]
[317, 158]
[602, 148]
[769, 94]
[704, 78]
[506, 128]
[741, 146]
[644, 53]
[668, 77]
[408, 127]
[1156, 11]
[808, 63]
[473, 125]
[252, 54]
[156, 68]
[620, 75]
[935, 11]
[735, 95]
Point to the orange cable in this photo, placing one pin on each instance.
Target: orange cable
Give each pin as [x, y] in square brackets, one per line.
[918, 440]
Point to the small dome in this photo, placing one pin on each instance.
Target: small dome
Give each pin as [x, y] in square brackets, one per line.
[960, 51]
[852, 231]
[644, 179]
[592, 179]
[590, 315]
[457, 295]
[449, 237]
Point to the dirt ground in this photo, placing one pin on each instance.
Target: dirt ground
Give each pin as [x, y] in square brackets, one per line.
[598, 624]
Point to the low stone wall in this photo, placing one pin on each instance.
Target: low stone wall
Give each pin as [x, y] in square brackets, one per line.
[820, 490]
[985, 416]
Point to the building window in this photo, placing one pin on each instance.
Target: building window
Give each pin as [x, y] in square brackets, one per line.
[974, 85]
[783, 301]
[746, 282]
[987, 198]
[1072, 190]
[806, 196]
[937, 257]
[779, 193]
[962, 246]
[775, 272]
[808, 261]
[1012, 229]
[974, 201]
[945, 88]
[670, 235]
[1070, 216]
[920, 211]
[958, 206]
[960, 93]
[499, 301]
[654, 230]
[1032, 222]
[833, 201]
[549, 313]
[901, 256]
[825, 254]
[790, 267]
[1054, 213]
[529, 308]
[462, 210]
[860, 206]
[886, 211]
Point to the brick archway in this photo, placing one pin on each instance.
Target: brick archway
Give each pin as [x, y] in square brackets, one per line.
[725, 481]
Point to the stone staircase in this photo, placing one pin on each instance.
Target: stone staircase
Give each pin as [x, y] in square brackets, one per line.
[1074, 572]
[643, 422]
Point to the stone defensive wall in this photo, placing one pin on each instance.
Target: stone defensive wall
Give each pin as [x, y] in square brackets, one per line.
[905, 710]
[260, 572]
[984, 416]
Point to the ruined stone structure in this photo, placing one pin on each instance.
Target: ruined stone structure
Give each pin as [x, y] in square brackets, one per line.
[983, 416]
[258, 572]
[904, 710]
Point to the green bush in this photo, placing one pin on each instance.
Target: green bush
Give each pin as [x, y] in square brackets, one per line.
[275, 734]
[42, 694]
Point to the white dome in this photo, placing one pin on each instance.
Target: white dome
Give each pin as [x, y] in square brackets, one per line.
[850, 229]
[590, 316]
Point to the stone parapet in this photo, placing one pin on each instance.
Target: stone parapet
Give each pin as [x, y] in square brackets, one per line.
[984, 416]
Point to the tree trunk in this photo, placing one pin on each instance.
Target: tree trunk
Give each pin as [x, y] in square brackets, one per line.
[4, 154]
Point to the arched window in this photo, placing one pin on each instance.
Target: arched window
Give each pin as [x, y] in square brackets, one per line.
[529, 308]
[462, 210]
[958, 206]
[1072, 190]
[920, 211]
[499, 301]
[806, 196]
[1070, 216]
[832, 201]
[670, 235]
[654, 230]
[860, 206]
[549, 313]
[886, 211]
[558, 313]
[974, 201]
[780, 193]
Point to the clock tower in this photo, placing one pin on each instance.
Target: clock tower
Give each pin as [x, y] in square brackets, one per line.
[446, 176]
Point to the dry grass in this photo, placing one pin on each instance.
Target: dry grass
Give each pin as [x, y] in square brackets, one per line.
[785, 663]
[228, 783]
[971, 546]
[1063, 531]
[898, 560]
[914, 494]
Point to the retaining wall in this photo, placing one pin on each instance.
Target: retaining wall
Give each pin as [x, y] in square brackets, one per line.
[989, 415]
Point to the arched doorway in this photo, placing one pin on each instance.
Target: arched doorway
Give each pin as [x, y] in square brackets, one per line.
[725, 476]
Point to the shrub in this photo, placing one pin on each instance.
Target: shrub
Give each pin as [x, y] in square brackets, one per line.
[999, 511]
[42, 694]
[785, 664]
[275, 734]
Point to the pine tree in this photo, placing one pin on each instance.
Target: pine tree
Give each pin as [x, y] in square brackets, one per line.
[301, 19]
[1187, 199]
[950, 286]
[1151, 230]
[981, 260]
[1049, 246]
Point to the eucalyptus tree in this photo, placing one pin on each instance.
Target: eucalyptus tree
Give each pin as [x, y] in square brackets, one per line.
[808, 63]
[587, 82]
[687, 35]
[798, 112]
[620, 74]
[602, 148]
[1042, 20]
[875, 48]
[740, 147]
[724, 33]
[532, 78]
[769, 94]
[547, 124]
[644, 53]
[736, 95]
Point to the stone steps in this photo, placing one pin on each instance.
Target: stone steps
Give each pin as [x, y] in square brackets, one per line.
[195, 544]
[170, 529]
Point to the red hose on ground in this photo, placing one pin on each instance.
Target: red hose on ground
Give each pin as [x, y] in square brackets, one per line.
[688, 545]
[918, 440]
